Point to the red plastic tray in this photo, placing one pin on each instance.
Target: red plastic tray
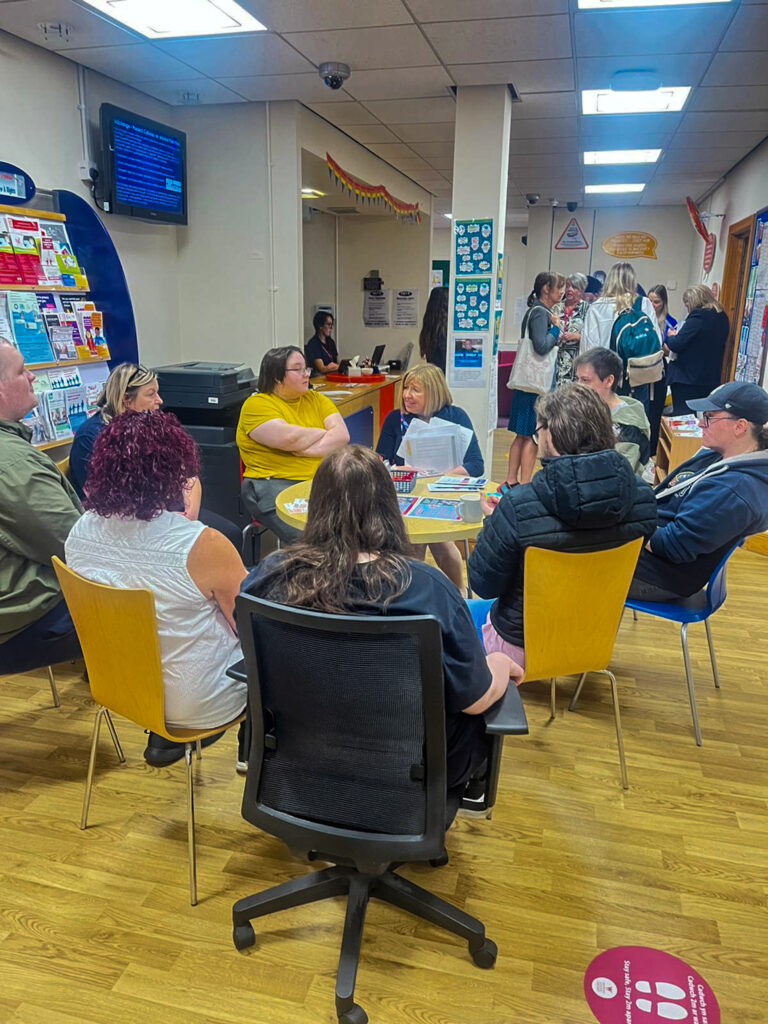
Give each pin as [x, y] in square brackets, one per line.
[373, 378]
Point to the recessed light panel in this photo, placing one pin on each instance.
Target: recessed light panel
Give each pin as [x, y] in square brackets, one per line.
[611, 5]
[612, 189]
[622, 156]
[171, 19]
[644, 101]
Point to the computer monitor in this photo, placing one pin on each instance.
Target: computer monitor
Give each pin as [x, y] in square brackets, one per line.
[378, 352]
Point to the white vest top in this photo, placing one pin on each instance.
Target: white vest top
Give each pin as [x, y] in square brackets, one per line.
[197, 645]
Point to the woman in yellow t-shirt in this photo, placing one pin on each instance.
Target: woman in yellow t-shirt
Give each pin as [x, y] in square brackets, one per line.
[283, 434]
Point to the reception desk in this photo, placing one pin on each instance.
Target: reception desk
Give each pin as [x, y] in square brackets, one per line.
[363, 406]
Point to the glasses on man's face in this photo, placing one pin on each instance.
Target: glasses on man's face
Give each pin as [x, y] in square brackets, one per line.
[297, 369]
[535, 434]
[708, 418]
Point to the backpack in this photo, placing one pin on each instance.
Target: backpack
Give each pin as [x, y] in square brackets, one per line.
[635, 340]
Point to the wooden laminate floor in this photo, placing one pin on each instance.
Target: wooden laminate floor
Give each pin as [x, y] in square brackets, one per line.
[96, 927]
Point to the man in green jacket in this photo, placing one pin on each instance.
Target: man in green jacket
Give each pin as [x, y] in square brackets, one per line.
[38, 508]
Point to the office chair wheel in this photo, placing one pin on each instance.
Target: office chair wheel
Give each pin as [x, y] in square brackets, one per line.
[485, 955]
[441, 861]
[355, 1015]
[243, 936]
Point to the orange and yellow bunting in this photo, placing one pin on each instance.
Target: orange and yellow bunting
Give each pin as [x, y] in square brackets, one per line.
[371, 193]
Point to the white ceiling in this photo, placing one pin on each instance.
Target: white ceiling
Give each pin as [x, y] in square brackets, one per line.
[406, 55]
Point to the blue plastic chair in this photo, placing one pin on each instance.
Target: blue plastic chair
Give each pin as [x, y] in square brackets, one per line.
[697, 608]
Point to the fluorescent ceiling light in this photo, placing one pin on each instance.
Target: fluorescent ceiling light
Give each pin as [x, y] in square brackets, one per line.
[448, 215]
[644, 101]
[311, 193]
[612, 189]
[609, 5]
[169, 19]
[622, 156]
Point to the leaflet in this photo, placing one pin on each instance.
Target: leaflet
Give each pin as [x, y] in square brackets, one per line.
[25, 238]
[458, 483]
[432, 508]
[435, 446]
[28, 329]
[56, 407]
[9, 268]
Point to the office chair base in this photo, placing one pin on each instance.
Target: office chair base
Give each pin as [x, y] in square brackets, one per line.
[359, 887]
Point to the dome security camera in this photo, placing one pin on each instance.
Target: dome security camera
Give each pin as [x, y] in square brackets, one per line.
[334, 74]
[532, 198]
[571, 207]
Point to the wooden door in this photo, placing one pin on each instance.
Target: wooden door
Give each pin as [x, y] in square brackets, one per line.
[732, 296]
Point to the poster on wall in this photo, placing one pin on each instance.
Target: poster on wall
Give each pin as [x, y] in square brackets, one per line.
[493, 394]
[631, 245]
[750, 358]
[436, 280]
[468, 357]
[498, 314]
[405, 308]
[573, 237]
[472, 304]
[473, 246]
[499, 279]
[376, 308]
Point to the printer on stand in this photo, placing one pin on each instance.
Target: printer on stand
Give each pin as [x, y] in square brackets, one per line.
[206, 398]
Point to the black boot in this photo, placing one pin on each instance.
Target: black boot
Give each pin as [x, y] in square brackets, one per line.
[161, 752]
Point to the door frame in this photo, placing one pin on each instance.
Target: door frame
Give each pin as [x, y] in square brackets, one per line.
[741, 237]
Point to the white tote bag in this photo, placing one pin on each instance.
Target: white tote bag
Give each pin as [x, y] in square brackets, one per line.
[530, 371]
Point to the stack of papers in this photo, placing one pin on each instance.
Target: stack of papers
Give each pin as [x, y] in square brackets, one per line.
[435, 446]
[458, 483]
[429, 508]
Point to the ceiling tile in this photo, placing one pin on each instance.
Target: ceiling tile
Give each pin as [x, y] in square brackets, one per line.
[306, 87]
[443, 164]
[743, 140]
[543, 128]
[175, 92]
[460, 10]
[395, 47]
[678, 69]
[748, 31]
[139, 63]
[627, 129]
[407, 83]
[22, 18]
[411, 164]
[391, 151]
[309, 15]
[746, 120]
[442, 131]
[525, 75]
[521, 161]
[433, 150]
[675, 30]
[734, 69]
[616, 175]
[695, 159]
[546, 104]
[544, 145]
[235, 56]
[366, 133]
[343, 113]
[502, 39]
[394, 112]
[746, 97]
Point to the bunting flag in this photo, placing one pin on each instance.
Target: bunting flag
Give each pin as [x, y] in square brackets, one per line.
[376, 194]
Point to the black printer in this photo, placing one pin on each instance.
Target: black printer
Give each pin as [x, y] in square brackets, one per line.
[206, 398]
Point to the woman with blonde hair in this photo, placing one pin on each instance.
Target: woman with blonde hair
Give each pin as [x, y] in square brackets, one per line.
[619, 294]
[660, 302]
[698, 347]
[426, 395]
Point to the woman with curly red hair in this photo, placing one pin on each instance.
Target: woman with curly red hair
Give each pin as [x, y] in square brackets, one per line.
[141, 467]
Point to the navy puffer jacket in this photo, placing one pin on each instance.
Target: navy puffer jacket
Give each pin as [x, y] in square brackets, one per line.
[575, 503]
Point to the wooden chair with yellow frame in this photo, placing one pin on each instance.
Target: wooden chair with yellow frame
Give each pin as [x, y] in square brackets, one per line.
[117, 629]
[572, 607]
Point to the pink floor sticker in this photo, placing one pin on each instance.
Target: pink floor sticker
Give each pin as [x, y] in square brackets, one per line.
[639, 985]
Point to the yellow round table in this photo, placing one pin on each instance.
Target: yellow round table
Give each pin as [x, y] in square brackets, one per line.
[420, 531]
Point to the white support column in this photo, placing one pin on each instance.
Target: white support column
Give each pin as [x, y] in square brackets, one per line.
[480, 168]
[285, 253]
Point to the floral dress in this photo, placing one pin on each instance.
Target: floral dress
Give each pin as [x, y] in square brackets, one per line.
[573, 323]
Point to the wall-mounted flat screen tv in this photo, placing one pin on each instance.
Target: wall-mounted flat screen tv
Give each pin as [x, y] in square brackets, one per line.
[144, 167]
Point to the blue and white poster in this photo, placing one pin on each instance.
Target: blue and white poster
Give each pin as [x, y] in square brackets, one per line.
[473, 246]
[472, 304]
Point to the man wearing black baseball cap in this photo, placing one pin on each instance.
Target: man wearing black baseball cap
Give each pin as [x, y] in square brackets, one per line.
[712, 500]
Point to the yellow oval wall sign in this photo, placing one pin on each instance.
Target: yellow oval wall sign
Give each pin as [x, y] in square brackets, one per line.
[628, 245]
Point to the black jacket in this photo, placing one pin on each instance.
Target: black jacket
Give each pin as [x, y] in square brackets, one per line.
[699, 344]
[575, 503]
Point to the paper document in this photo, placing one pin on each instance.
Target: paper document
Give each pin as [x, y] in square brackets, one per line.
[435, 445]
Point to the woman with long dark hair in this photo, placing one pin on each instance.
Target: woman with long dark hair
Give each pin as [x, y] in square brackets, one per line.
[434, 328]
[353, 558]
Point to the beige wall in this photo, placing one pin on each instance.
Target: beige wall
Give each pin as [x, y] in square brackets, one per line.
[319, 248]
[41, 134]
[401, 253]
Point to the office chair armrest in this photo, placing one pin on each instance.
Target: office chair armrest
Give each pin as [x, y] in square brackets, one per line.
[237, 671]
[507, 716]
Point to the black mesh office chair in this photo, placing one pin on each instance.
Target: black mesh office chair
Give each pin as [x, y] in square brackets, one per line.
[348, 764]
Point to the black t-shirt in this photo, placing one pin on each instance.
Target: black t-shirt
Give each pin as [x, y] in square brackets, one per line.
[318, 349]
[465, 671]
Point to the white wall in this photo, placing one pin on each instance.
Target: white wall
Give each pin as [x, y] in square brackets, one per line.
[669, 225]
[41, 134]
[319, 253]
[400, 251]
[223, 254]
